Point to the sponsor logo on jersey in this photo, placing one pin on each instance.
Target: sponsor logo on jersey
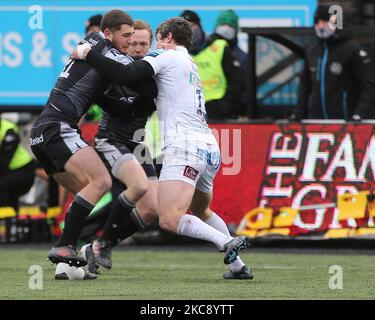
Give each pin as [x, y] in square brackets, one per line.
[35, 141]
[93, 42]
[155, 53]
[128, 99]
[90, 41]
[190, 173]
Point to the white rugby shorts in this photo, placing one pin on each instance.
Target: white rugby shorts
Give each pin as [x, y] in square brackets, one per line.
[193, 162]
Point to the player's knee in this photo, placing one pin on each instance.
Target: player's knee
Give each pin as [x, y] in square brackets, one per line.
[138, 191]
[103, 184]
[165, 224]
[149, 213]
[107, 182]
[168, 223]
[149, 217]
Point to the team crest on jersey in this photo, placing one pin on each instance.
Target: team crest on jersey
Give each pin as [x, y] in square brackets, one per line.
[190, 173]
[336, 68]
[155, 53]
[128, 99]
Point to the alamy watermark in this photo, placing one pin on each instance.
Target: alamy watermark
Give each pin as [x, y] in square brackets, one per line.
[336, 281]
[36, 280]
[36, 19]
[185, 148]
[337, 17]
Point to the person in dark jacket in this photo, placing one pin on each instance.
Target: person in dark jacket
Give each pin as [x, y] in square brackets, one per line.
[199, 38]
[336, 82]
[219, 70]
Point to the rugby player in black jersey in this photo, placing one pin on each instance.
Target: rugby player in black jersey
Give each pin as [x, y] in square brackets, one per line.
[55, 138]
[119, 143]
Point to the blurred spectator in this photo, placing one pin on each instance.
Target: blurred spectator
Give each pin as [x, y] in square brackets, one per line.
[93, 24]
[142, 40]
[227, 27]
[336, 80]
[44, 193]
[199, 36]
[219, 71]
[16, 165]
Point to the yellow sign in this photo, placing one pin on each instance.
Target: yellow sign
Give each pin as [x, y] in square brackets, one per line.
[352, 205]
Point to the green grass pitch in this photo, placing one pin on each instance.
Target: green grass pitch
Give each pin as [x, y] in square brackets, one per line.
[147, 274]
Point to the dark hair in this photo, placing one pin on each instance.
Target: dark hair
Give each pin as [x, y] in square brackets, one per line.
[180, 29]
[143, 25]
[191, 16]
[114, 19]
[93, 21]
[322, 13]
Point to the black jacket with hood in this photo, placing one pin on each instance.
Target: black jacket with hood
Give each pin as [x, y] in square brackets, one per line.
[337, 81]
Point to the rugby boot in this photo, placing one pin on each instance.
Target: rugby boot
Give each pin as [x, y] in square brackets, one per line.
[233, 247]
[88, 255]
[102, 253]
[66, 254]
[244, 274]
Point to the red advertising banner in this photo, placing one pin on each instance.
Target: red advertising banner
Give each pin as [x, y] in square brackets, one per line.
[301, 174]
[295, 179]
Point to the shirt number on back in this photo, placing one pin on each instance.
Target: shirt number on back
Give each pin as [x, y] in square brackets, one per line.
[65, 73]
[200, 110]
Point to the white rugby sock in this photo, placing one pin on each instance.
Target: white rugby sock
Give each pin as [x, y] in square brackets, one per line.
[194, 227]
[216, 222]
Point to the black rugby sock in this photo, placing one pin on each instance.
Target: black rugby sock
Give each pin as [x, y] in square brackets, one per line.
[123, 221]
[74, 221]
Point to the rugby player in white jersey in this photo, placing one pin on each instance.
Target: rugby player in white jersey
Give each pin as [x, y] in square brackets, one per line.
[191, 152]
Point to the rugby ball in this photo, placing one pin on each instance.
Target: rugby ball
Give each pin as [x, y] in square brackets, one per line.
[66, 272]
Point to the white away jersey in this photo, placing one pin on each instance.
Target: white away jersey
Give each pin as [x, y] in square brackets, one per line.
[180, 102]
